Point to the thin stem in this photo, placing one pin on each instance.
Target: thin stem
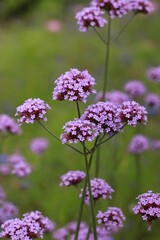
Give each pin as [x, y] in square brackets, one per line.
[78, 109]
[100, 36]
[107, 59]
[89, 231]
[90, 195]
[97, 162]
[57, 138]
[123, 28]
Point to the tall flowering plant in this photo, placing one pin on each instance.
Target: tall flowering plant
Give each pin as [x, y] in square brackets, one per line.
[97, 124]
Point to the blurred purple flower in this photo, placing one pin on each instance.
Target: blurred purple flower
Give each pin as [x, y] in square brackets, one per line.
[152, 100]
[38, 145]
[140, 6]
[155, 145]
[72, 178]
[7, 211]
[54, 26]
[8, 124]
[153, 74]
[148, 207]
[2, 194]
[116, 97]
[138, 144]
[135, 88]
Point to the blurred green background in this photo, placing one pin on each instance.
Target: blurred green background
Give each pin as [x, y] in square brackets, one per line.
[32, 58]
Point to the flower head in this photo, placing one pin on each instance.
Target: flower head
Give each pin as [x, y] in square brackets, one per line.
[90, 17]
[7, 211]
[152, 100]
[38, 145]
[104, 115]
[112, 219]
[153, 74]
[114, 8]
[140, 6]
[135, 88]
[100, 189]
[138, 144]
[31, 110]
[74, 85]
[148, 207]
[8, 124]
[72, 178]
[132, 112]
[116, 97]
[61, 234]
[31, 226]
[79, 131]
[155, 145]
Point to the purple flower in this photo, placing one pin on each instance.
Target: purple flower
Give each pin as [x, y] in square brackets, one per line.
[153, 74]
[152, 100]
[7, 211]
[4, 169]
[72, 226]
[138, 144]
[104, 115]
[90, 17]
[74, 85]
[99, 188]
[61, 234]
[140, 6]
[114, 8]
[31, 226]
[116, 97]
[72, 178]
[19, 166]
[155, 145]
[2, 194]
[38, 145]
[32, 110]
[112, 219]
[79, 130]
[132, 112]
[8, 124]
[148, 207]
[135, 88]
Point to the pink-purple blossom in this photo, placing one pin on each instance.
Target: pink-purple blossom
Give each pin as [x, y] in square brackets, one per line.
[116, 97]
[32, 225]
[74, 85]
[148, 207]
[112, 219]
[8, 124]
[104, 115]
[155, 145]
[72, 178]
[61, 234]
[140, 6]
[90, 17]
[38, 145]
[135, 88]
[79, 131]
[100, 189]
[7, 211]
[138, 144]
[152, 100]
[153, 74]
[132, 112]
[114, 8]
[31, 110]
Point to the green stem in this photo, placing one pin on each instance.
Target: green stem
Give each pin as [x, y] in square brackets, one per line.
[138, 173]
[123, 28]
[90, 195]
[100, 36]
[57, 138]
[107, 59]
[97, 162]
[78, 109]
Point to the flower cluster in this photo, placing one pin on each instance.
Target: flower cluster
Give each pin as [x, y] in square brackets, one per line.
[15, 164]
[8, 124]
[135, 88]
[72, 178]
[74, 85]
[90, 17]
[99, 188]
[116, 97]
[104, 115]
[31, 110]
[38, 145]
[148, 207]
[138, 144]
[79, 130]
[114, 8]
[153, 74]
[31, 226]
[152, 100]
[140, 6]
[7, 211]
[112, 219]
[132, 112]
